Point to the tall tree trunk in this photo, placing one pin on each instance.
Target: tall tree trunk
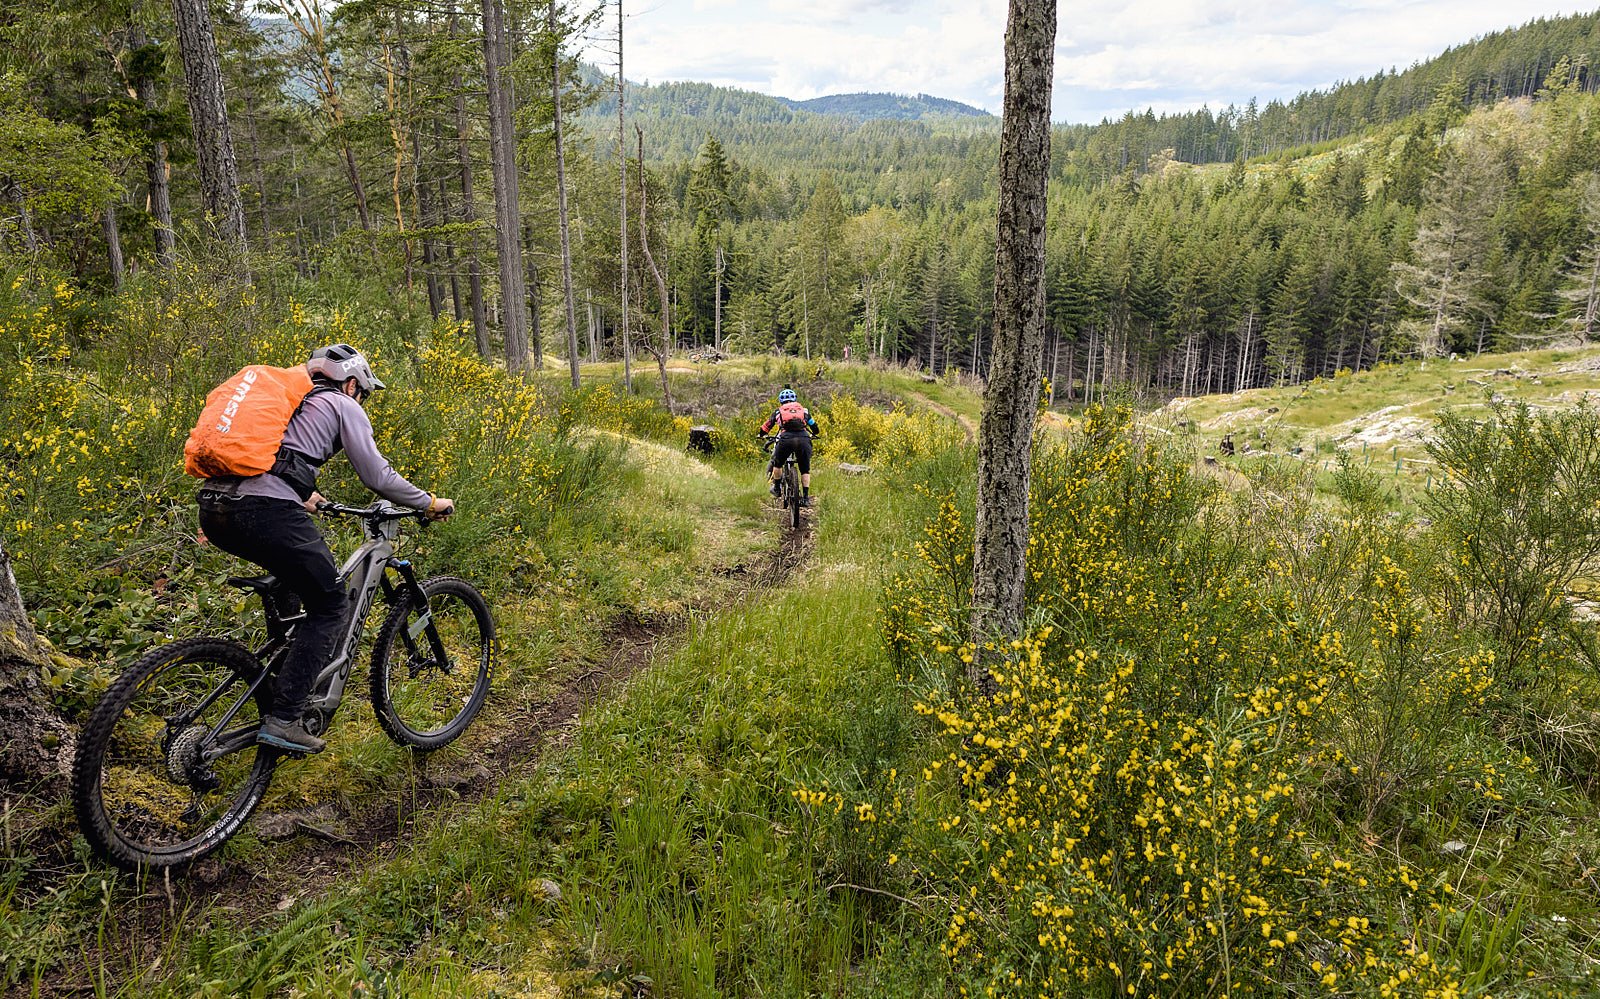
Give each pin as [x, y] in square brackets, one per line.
[108, 223]
[716, 326]
[35, 742]
[1010, 402]
[561, 197]
[423, 206]
[503, 161]
[469, 215]
[536, 320]
[1072, 361]
[208, 111]
[144, 90]
[622, 214]
[1090, 359]
[256, 167]
[593, 326]
[397, 66]
[660, 350]
[1055, 362]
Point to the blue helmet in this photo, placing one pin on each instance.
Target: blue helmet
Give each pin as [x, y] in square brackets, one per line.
[787, 395]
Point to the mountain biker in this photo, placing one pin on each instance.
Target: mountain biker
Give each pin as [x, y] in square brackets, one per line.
[797, 427]
[266, 519]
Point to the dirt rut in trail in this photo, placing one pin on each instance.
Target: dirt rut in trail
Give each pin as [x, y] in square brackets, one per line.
[334, 844]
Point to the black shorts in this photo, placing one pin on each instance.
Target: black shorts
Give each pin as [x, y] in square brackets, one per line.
[798, 445]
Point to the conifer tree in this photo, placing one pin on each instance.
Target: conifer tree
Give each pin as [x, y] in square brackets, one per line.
[208, 110]
[1446, 275]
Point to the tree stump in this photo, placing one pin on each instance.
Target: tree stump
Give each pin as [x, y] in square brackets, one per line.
[703, 439]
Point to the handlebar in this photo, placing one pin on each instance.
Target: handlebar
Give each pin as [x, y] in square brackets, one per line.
[377, 512]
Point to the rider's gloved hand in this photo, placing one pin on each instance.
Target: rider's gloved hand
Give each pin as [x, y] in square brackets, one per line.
[440, 508]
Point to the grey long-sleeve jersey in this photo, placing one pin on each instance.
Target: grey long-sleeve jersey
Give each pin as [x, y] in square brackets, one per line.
[326, 423]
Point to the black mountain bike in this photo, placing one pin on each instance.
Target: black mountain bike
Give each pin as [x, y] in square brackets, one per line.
[788, 485]
[168, 767]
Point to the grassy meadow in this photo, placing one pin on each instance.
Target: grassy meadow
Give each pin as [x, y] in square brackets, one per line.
[1291, 732]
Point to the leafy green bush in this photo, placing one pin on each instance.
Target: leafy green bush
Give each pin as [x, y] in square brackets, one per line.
[1223, 705]
[1517, 518]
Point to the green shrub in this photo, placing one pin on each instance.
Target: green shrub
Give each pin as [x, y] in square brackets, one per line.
[1517, 522]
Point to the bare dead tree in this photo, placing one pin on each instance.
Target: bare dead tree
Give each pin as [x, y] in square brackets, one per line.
[622, 172]
[561, 195]
[469, 213]
[503, 161]
[142, 87]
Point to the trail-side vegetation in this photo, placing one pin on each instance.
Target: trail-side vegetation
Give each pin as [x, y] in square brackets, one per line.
[1264, 739]
[1253, 745]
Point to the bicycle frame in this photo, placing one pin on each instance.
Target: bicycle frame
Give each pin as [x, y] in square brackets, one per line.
[364, 574]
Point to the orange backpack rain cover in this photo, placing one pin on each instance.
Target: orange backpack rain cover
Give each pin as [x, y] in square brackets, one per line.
[241, 427]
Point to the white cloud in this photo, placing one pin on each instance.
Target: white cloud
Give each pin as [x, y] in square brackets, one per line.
[1112, 56]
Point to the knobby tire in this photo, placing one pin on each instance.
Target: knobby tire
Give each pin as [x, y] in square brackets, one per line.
[141, 794]
[791, 485]
[418, 703]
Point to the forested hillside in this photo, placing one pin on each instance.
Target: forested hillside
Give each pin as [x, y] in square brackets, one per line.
[889, 106]
[1445, 208]
[1298, 692]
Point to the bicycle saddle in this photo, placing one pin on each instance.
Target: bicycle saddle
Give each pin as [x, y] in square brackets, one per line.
[261, 584]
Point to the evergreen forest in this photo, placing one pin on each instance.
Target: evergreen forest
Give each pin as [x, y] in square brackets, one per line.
[1298, 691]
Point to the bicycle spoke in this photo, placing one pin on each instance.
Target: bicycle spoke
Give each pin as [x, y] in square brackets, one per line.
[169, 766]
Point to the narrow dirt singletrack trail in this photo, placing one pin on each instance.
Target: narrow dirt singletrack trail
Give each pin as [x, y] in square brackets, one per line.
[967, 425]
[326, 844]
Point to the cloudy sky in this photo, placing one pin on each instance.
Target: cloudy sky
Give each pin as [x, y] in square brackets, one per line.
[1111, 55]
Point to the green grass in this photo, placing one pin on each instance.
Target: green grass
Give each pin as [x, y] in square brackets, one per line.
[669, 823]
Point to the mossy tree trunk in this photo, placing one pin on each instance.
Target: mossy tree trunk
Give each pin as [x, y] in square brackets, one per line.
[35, 742]
[1011, 399]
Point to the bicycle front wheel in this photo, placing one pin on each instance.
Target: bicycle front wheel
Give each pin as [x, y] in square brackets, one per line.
[431, 664]
[167, 767]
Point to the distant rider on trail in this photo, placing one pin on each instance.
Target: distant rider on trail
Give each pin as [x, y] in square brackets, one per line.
[797, 430]
[265, 519]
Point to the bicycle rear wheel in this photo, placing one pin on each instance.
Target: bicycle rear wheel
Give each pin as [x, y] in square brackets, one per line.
[791, 486]
[431, 664]
[167, 767]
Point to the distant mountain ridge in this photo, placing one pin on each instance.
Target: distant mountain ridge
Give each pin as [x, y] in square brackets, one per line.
[899, 107]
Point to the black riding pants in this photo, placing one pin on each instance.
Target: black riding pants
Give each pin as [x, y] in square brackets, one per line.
[278, 535]
[799, 445]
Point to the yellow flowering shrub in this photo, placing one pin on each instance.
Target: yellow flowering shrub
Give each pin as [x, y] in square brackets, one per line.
[99, 515]
[1154, 803]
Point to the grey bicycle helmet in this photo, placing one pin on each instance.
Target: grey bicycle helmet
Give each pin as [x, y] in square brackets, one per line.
[339, 361]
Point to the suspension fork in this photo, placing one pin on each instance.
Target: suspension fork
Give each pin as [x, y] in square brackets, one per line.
[410, 590]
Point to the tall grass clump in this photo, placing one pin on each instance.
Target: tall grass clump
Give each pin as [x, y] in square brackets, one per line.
[1226, 755]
